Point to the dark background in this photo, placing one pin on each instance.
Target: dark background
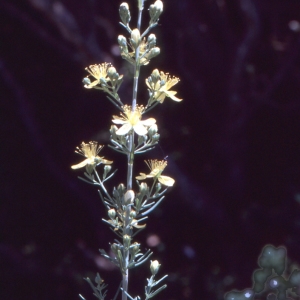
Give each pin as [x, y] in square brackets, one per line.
[232, 144]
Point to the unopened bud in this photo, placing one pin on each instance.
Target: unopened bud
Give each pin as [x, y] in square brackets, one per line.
[132, 214]
[158, 188]
[107, 169]
[134, 249]
[121, 189]
[143, 188]
[111, 213]
[123, 44]
[152, 130]
[111, 72]
[153, 52]
[122, 40]
[126, 240]
[135, 38]
[114, 248]
[155, 75]
[155, 11]
[103, 81]
[142, 139]
[124, 13]
[86, 81]
[155, 137]
[129, 197]
[154, 267]
[151, 40]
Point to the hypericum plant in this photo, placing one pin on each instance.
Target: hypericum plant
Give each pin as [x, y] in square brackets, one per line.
[130, 134]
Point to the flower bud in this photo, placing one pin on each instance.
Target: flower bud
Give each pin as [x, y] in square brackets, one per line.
[111, 73]
[154, 267]
[152, 53]
[151, 40]
[121, 189]
[122, 41]
[132, 214]
[152, 130]
[124, 13]
[126, 241]
[134, 249]
[155, 76]
[142, 139]
[135, 38]
[123, 44]
[111, 213]
[103, 81]
[155, 11]
[86, 81]
[129, 197]
[114, 248]
[157, 188]
[155, 137]
[143, 188]
[107, 169]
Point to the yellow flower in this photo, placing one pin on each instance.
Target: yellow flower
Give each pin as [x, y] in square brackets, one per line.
[90, 151]
[132, 120]
[157, 167]
[98, 72]
[161, 87]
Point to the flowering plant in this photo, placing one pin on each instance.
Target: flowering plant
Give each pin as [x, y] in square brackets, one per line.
[126, 208]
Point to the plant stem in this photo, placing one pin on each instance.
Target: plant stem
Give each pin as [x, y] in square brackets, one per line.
[127, 231]
[130, 158]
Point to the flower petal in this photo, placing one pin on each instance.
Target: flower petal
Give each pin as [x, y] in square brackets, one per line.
[141, 177]
[82, 164]
[106, 162]
[140, 129]
[166, 180]
[124, 129]
[101, 160]
[148, 122]
[171, 94]
[118, 121]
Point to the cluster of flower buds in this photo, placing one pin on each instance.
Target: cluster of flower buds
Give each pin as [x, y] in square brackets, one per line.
[155, 10]
[147, 48]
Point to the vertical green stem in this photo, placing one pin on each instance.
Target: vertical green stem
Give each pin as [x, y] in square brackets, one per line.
[126, 230]
[130, 156]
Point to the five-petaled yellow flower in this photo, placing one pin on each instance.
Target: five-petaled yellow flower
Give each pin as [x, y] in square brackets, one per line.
[132, 120]
[161, 91]
[156, 167]
[90, 151]
[98, 72]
